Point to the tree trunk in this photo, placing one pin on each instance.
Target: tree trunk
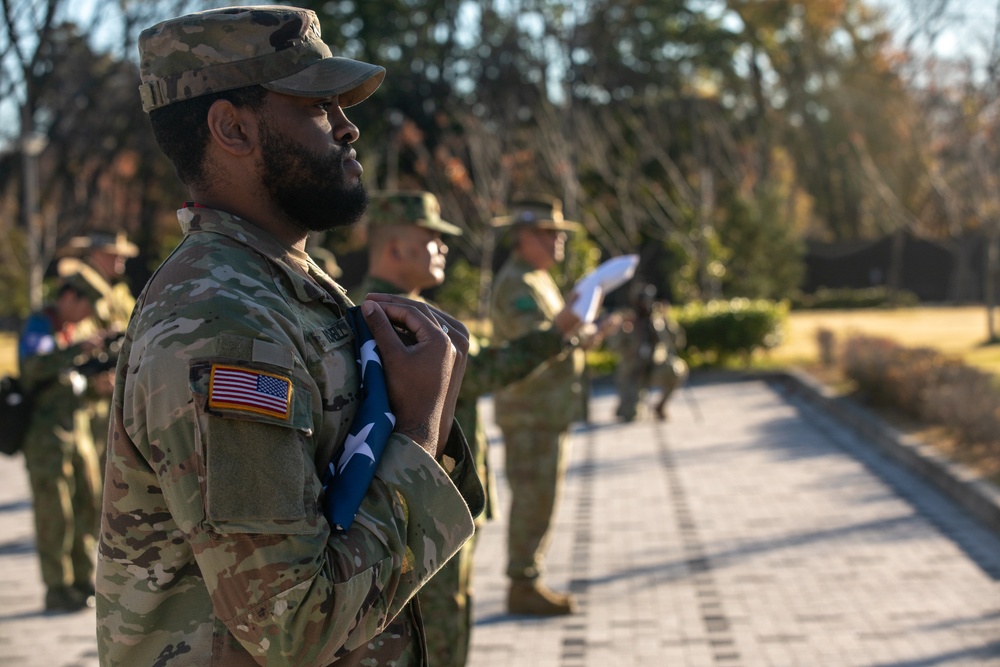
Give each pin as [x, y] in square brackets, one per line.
[992, 273]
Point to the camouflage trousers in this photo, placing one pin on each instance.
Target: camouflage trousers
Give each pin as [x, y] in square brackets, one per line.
[446, 609]
[65, 489]
[633, 384]
[536, 466]
[100, 421]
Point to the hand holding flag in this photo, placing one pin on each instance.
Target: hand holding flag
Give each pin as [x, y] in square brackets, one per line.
[346, 479]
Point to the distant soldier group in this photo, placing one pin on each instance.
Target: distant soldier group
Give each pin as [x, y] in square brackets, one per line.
[67, 354]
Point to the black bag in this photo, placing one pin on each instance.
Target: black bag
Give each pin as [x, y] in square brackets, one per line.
[15, 415]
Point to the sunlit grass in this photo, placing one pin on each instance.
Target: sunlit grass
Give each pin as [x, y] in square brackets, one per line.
[959, 330]
[8, 353]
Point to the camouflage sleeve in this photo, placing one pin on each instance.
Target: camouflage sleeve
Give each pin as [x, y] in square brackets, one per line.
[515, 310]
[496, 366]
[39, 369]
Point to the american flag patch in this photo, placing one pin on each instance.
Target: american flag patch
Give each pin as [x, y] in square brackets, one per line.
[235, 388]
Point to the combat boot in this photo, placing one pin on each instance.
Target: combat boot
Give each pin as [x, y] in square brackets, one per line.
[64, 599]
[527, 596]
[88, 591]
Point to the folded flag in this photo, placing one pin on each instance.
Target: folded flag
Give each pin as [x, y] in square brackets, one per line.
[347, 477]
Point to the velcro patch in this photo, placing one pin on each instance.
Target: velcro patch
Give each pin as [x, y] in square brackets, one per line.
[236, 388]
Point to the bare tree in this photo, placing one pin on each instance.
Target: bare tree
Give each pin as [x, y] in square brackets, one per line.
[77, 115]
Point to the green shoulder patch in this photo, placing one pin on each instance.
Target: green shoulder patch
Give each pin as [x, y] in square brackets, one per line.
[525, 304]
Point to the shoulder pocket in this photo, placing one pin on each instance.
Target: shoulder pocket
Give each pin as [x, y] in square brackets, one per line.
[254, 426]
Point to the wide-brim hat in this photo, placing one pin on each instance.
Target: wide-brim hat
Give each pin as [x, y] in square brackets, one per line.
[408, 207]
[116, 244]
[277, 47]
[83, 278]
[536, 211]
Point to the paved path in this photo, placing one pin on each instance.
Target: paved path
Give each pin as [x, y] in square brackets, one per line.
[761, 535]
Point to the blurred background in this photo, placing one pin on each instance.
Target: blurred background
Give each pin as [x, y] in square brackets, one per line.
[810, 183]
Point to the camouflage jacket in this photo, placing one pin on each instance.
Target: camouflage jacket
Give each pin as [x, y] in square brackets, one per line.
[213, 547]
[525, 300]
[47, 371]
[489, 368]
[644, 344]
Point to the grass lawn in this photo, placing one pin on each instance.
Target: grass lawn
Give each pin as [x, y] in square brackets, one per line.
[958, 330]
[8, 353]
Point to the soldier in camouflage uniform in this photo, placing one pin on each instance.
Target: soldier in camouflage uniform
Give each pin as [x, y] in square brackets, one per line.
[214, 548]
[647, 344]
[58, 450]
[106, 253]
[535, 412]
[406, 255]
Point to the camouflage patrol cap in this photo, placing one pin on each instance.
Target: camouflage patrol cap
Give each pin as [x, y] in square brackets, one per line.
[537, 211]
[408, 208]
[277, 47]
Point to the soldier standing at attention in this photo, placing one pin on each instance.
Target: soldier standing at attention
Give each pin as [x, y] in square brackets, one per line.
[535, 412]
[406, 254]
[406, 251]
[59, 449]
[106, 253]
[237, 381]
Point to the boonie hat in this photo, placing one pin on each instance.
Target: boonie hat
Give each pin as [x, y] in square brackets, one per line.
[274, 46]
[408, 208]
[114, 243]
[83, 279]
[538, 211]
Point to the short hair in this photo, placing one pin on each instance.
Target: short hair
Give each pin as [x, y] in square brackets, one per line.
[378, 236]
[181, 128]
[69, 287]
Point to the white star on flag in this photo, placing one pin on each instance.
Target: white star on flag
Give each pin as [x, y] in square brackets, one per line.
[356, 444]
[368, 354]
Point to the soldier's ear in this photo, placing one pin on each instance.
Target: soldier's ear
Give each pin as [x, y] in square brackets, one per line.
[234, 129]
[394, 247]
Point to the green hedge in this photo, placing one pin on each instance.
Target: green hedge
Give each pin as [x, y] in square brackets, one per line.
[718, 331]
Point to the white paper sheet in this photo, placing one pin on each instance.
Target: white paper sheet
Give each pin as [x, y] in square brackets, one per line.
[591, 288]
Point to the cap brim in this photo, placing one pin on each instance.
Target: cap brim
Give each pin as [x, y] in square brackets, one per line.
[441, 226]
[561, 225]
[351, 80]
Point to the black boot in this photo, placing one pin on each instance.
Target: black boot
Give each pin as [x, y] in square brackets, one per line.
[59, 599]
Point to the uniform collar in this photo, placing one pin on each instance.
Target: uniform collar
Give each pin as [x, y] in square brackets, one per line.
[303, 274]
[374, 284]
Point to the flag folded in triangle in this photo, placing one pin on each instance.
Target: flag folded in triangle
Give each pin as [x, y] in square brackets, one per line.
[347, 477]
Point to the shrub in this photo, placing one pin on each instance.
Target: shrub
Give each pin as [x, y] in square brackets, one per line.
[720, 330]
[926, 385]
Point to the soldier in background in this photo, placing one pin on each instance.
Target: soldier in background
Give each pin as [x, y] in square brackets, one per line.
[59, 448]
[406, 251]
[406, 255]
[238, 382]
[647, 343]
[106, 253]
[535, 412]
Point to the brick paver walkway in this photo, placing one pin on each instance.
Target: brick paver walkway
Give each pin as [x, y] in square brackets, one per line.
[748, 531]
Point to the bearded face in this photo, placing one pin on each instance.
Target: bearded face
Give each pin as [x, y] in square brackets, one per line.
[309, 186]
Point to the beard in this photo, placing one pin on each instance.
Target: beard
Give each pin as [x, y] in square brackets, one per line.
[309, 187]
